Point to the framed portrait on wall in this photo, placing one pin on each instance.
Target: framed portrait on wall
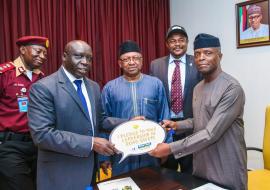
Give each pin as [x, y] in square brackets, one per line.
[252, 28]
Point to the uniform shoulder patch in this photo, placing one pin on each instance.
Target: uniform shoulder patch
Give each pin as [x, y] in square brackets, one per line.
[6, 66]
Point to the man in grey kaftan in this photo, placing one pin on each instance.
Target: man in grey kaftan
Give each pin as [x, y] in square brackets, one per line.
[217, 142]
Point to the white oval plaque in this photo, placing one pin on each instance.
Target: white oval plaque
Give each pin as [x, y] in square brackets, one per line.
[137, 137]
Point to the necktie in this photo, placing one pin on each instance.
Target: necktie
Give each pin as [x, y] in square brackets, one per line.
[176, 89]
[80, 94]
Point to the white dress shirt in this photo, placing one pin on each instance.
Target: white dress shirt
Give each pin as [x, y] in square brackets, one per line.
[84, 91]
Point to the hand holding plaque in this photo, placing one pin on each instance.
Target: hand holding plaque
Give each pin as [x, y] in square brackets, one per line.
[137, 137]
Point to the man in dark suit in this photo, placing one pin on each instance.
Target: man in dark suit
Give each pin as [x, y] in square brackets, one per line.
[180, 81]
[64, 113]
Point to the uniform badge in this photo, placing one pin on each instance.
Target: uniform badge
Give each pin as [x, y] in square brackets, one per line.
[23, 90]
[21, 69]
[47, 43]
[6, 67]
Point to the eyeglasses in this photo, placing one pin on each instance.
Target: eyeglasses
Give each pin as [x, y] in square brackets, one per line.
[255, 17]
[128, 59]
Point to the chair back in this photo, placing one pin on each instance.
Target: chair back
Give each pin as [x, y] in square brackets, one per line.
[266, 139]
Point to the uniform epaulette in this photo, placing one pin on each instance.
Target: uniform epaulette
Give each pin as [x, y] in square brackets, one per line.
[6, 66]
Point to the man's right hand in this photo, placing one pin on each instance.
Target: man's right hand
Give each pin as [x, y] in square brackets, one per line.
[103, 146]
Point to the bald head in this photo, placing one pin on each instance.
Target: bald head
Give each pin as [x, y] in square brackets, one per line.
[77, 58]
[76, 43]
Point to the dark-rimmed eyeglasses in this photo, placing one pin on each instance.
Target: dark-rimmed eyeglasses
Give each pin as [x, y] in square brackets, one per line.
[128, 59]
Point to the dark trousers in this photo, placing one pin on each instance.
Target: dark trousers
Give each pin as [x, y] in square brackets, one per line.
[18, 165]
[184, 162]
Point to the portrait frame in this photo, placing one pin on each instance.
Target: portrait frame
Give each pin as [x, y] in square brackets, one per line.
[252, 28]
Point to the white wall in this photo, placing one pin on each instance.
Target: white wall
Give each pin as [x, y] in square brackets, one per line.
[251, 66]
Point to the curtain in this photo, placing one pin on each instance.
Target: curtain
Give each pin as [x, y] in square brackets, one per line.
[104, 24]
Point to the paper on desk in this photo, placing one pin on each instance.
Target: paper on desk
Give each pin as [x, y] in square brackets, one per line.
[118, 184]
[209, 186]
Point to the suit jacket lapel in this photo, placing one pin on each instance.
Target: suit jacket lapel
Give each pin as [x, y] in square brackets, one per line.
[67, 86]
[187, 78]
[91, 97]
[165, 77]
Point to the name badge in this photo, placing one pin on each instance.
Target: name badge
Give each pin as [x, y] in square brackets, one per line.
[23, 104]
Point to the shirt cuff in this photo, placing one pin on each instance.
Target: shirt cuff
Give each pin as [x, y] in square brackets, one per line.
[92, 143]
[177, 149]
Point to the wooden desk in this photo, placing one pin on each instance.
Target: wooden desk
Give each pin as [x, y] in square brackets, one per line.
[162, 179]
